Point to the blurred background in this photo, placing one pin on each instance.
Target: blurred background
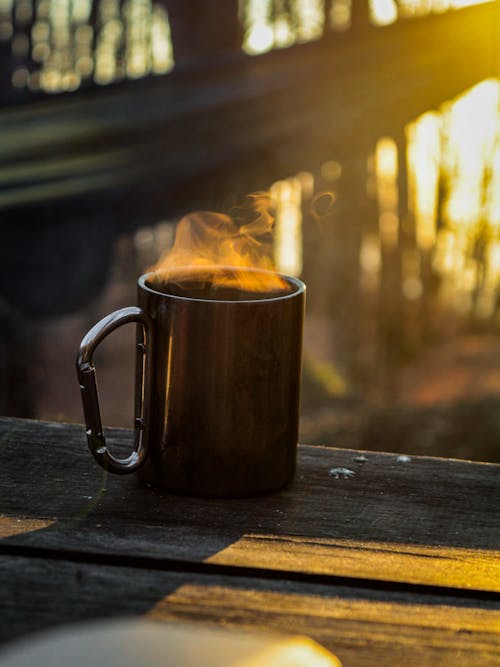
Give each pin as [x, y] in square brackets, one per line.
[373, 124]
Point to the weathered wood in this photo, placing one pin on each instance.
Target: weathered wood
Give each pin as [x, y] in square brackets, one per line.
[362, 627]
[421, 521]
[163, 144]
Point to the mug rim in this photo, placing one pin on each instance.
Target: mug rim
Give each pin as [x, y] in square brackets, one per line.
[299, 286]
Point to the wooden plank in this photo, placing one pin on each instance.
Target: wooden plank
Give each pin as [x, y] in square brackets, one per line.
[297, 107]
[423, 521]
[361, 627]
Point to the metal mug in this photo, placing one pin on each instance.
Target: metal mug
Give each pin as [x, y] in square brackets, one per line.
[217, 386]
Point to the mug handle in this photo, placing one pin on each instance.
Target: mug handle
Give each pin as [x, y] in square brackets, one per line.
[88, 386]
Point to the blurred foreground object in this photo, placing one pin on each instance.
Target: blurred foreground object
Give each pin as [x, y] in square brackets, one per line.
[146, 644]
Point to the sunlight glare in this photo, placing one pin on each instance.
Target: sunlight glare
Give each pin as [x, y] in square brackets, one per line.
[310, 19]
[383, 12]
[259, 33]
[283, 33]
[494, 203]
[423, 150]
[471, 125]
[269, 26]
[260, 39]
[458, 4]
[386, 171]
[286, 197]
[161, 42]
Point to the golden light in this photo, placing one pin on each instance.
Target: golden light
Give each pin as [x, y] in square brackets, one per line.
[445, 252]
[386, 172]
[424, 155]
[267, 28]
[223, 250]
[415, 7]
[235, 605]
[80, 11]
[259, 39]
[11, 525]
[465, 252]
[340, 14]
[386, 159]
[331, 170]
[410, 268]
[283, 32]
[458, 4]
[383, 12]
[310, 19]
[296, 652]
[415, 563]
[494, 203]
[286, 197]
[259, 33]
[470, 134]
[370, 260]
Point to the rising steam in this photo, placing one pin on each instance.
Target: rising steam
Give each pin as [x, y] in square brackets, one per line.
[226, 246]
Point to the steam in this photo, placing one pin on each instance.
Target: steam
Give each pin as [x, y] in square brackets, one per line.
[226, 246]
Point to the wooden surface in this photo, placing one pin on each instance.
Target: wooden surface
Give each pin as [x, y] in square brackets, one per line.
[360, 626]
[399, 563]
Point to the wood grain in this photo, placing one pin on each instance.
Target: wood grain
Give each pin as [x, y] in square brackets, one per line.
[424, 521]
[361, 627]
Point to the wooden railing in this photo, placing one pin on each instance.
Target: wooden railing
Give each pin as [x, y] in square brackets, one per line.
[173, 137]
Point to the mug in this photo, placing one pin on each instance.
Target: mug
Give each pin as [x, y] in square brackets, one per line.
[217, 384]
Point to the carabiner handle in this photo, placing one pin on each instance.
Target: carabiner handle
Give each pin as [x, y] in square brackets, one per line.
[90, 399]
